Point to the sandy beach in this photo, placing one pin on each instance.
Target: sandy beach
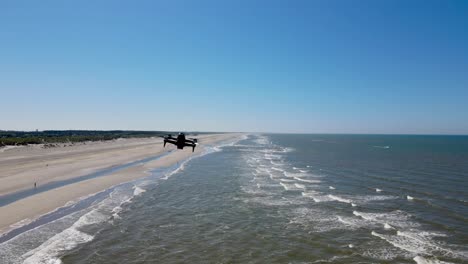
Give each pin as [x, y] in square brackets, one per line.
[22, 167]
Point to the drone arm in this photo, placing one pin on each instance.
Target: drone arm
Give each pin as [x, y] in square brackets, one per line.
[192, 140]
[169, 141]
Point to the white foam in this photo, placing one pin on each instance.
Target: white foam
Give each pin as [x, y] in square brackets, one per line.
[378, 190]
[138, 190]
[309, 194]
[217, 148]
[285, 150]
[339, 199]
[286, 187]
[300, 186]
[396, 218]
[400, 243]
[417, 242]
[260, 170]
[420, 235]
[343, 221]
[289, 174]
[349, 222]
[262, 140]
[387, 226]
[116, 211]
[369, 198]
[272, 156]
[271, 176]
[387, 253]
[317, 200]
[275, 163]
[286, 180]
[331, 188]
[409, 198]
[305, 180]
[382, 147]
[178, 169]
[312, 195]
[350, 245]
[257, 160]
[315, 219]
[181, 167]
[277, 169]
[230, 143]
[317, 197]
[422, 260]
[49, 251]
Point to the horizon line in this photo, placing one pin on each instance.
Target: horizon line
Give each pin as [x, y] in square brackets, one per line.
[249, 132]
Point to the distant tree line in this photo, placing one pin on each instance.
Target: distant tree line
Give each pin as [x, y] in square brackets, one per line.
[70, 136]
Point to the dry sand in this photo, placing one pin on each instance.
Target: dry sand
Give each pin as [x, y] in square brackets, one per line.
[21, 167]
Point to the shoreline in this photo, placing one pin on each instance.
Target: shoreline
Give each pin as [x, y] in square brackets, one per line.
[26, 210]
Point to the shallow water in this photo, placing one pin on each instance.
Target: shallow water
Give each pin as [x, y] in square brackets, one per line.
[276, 199]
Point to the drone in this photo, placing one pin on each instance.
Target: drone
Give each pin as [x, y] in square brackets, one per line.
[180, 141]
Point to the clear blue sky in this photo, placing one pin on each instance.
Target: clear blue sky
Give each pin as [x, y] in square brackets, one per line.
[237, 65]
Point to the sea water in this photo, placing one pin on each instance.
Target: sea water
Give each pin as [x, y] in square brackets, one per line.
[275, 199]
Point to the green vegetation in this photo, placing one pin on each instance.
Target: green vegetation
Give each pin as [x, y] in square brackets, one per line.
[70, 136]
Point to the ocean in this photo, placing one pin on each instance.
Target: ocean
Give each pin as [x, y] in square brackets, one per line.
[273, 198]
